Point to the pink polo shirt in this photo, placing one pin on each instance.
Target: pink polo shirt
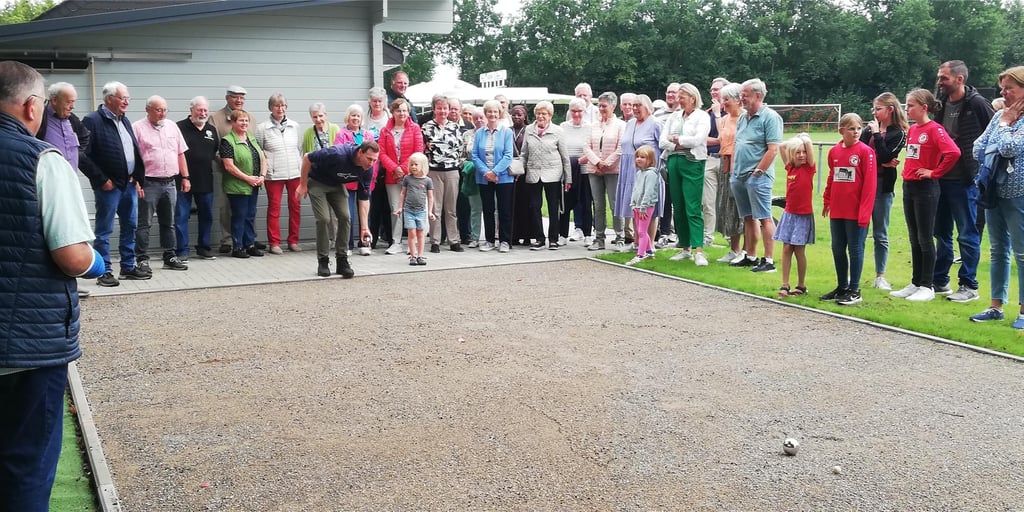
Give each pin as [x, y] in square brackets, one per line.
[160, 147]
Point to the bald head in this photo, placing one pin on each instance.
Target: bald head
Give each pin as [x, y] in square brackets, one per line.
[156, 109]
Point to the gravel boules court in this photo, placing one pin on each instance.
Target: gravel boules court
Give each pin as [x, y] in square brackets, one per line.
[571, 385]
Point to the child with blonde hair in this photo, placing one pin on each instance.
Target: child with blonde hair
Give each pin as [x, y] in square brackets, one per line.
[416, 200]
[796, 228]
[646, 187]
[849, 200]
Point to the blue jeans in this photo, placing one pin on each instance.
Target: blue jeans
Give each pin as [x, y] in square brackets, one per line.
[848, 236]
[880, 229]
[204, 205]
[920, 199]
[243, 220]
[125, 203]
[1006, 235]
[957, 205]
[31, 428]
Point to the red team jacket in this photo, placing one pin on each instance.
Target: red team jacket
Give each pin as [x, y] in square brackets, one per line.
[852, 178]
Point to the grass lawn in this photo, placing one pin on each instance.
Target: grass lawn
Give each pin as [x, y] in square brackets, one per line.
[73, 488]
[938, 317]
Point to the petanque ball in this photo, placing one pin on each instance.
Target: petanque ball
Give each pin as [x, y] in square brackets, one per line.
[790, 446]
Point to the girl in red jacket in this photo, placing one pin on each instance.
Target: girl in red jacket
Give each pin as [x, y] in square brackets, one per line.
[796, 228]
[849, 201]
[930, 154]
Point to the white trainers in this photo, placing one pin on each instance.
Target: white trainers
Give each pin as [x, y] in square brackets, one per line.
[905, 292]
[504, 247]
[882, 284]
[394, 248]
[473, 244]
[729, 256]
[588, 241]
[681, 255]
[486, 246]
[575, 236]
[619, 246]
[923, 294]
[740, 256]
[699, 259]
[562, 240]
[635, 260]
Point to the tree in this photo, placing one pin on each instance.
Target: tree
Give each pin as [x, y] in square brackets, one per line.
[973, 31]
[21, 11]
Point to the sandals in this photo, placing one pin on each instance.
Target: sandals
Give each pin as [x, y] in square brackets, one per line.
[785, 291]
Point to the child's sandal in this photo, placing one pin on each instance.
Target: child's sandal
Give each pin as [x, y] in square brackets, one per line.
[784, 292]
[800, 290]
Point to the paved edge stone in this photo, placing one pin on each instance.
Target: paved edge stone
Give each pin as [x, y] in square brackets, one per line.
[104, 481]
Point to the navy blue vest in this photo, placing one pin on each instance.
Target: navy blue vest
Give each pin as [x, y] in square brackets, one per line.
[38, 302]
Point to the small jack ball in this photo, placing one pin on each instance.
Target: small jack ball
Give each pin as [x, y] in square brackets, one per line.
[790, 446]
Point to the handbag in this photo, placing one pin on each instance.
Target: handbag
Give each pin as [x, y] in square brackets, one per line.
[516, 168]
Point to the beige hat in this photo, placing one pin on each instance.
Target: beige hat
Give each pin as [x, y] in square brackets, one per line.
[236, 89]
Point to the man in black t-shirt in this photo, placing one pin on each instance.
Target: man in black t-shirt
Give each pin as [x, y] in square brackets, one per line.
[202, 141]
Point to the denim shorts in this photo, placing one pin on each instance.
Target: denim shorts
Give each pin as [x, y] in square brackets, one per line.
[415, 220]
[753, 195]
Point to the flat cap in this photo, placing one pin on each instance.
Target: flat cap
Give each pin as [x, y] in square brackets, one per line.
[236, 89]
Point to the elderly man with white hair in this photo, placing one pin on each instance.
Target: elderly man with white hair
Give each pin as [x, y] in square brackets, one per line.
[202, 141]
[758, 134]
[585, 93]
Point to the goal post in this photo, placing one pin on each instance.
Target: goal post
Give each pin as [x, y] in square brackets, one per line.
[810, 117]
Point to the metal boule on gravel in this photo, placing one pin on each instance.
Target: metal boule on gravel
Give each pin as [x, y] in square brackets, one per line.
[790, 446]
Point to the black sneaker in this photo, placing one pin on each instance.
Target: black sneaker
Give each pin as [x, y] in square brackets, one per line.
[205, 254]
[174, 263]
[434, 248]
[183, 258]
[420, 260]
[239, 253]
[745, 262]
[344, 269]
[850, 298]
[224, 249]
[135, 274]
[255, 251]
[260, 245]
[323, 267]
[456, 247]
[108, 280]
[143, 266]
[834, 294]
[764, 267]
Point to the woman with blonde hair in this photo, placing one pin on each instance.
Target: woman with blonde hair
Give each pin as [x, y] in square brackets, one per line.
[931, 153]
[1004, 136]
[685, 140]
[886, 134]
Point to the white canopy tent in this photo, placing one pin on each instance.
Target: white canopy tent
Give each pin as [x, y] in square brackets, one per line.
[421, 93]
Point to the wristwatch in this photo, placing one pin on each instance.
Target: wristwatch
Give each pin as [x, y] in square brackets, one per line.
[1003, 124]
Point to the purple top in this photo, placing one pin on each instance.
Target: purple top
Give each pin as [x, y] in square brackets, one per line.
[62, 136]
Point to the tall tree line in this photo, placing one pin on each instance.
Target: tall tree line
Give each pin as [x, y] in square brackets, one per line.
[808, 51]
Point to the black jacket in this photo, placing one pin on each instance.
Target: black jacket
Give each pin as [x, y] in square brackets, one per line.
[974, 117]
[886, 149]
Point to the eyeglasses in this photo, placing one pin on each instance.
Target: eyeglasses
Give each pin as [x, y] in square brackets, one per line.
[30, 96]
[160, 110]
[123, 99]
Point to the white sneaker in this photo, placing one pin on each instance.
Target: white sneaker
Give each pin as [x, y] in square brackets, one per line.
[729, 256]
[473, 244]
[394, 248]
[700, 260]
[575, 236]
[923, 294]
[635, 260]
[662, 242]
[619, 246]
[739, 257]
[588, 241]
[882, 284]
[486, 246]
[504, 247]
[562, 240]
[364, 251]
[681, 255]
[905, 292]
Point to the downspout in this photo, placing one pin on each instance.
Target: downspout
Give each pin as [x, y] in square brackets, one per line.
[92, 82]
[377, 45]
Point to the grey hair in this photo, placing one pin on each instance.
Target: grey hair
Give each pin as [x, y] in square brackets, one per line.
[673, 85]
[584, 85]
[731, 90]
[544, 105]
[646, 101]
[19, 80]
[195, 101]
[378, 93]
[627, 96]
[110, 89]
[438, 98]
[275, 99]
[577, 102]
[723, 80]
[610, 97]
[490, 104]
[453, 99]
[353, 109]
[58, 89]
[756, 86]
[317, 107]
[151, 99]
[692, 91]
